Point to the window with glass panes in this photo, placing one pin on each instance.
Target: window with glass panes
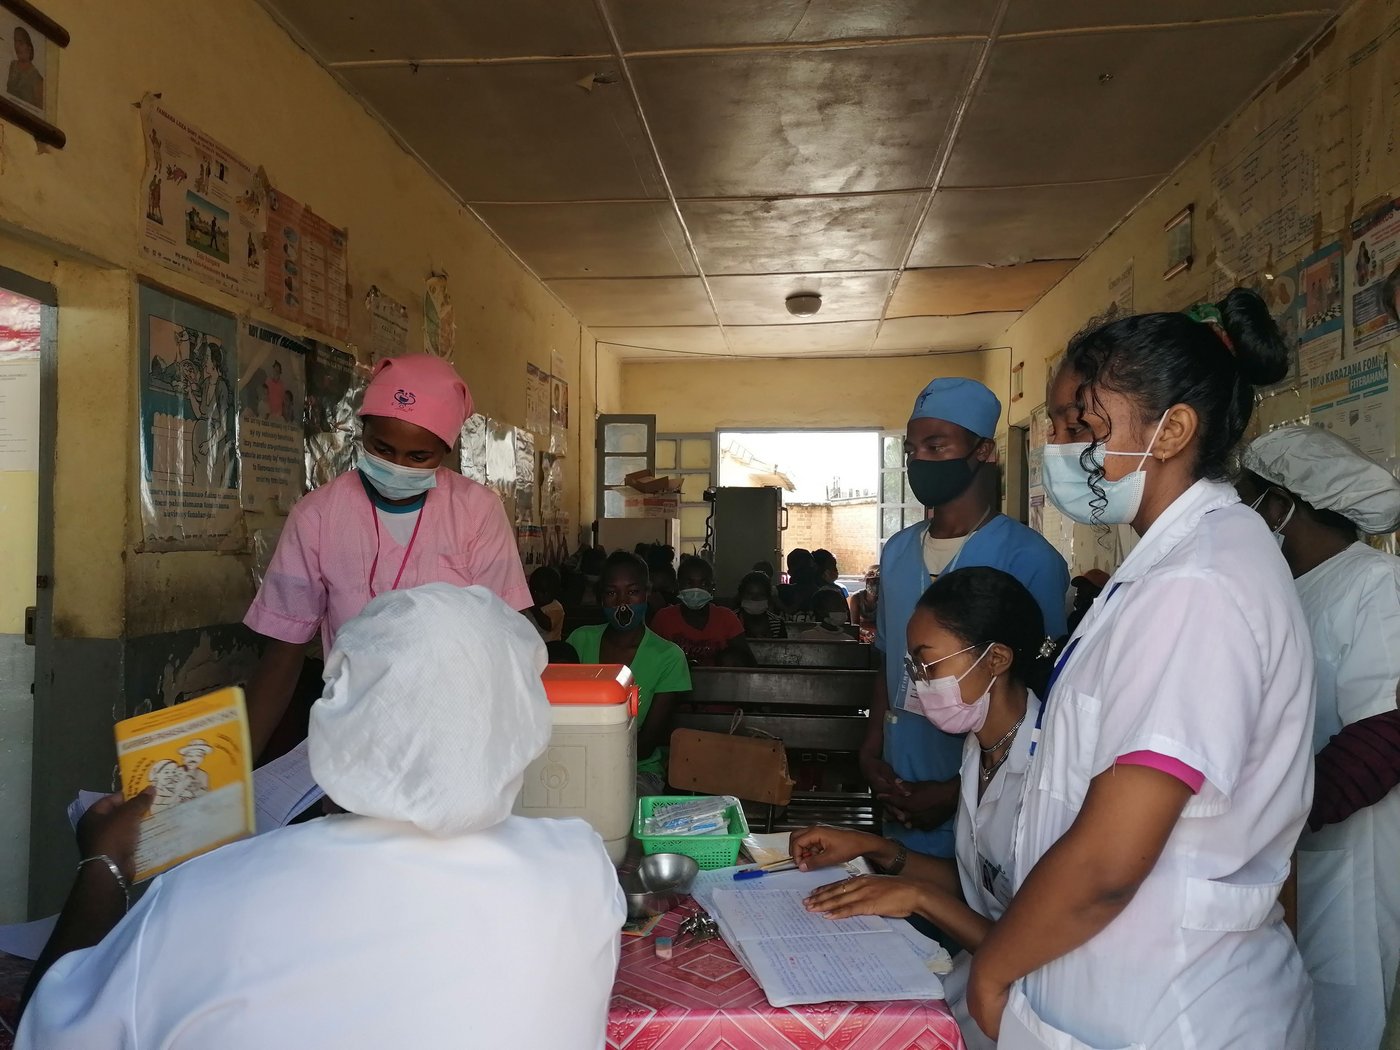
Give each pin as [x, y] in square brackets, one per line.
[626, 444]
[689, 457]
[898, 507]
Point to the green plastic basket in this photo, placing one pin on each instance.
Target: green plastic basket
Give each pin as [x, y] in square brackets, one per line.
[709, 851]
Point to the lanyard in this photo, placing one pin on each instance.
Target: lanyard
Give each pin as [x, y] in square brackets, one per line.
[408, 551]
[1055, 676]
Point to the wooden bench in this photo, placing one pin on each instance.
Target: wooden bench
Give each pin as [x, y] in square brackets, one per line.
[808, 709]
[793, 652]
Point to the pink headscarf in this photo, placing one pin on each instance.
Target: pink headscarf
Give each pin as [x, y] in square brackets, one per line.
[420, 389]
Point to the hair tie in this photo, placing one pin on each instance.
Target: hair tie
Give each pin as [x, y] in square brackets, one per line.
[1209, 314]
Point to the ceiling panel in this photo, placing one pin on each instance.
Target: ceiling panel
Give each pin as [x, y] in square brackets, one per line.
[643, 24]
[974, 289]
[845, 121]
[999, 227]
[517, 132]
[692, 340]
[593, 240]
[797, 340]
[759, 299]
[971, 332]
[644, 301]
[1033, 15]
[867, 232]
[356, 30]
[1042, 115]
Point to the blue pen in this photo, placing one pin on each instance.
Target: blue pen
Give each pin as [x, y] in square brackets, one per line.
[767, 869]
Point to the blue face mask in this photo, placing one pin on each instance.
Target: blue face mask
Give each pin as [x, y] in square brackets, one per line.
[625, 617]
[1066, 481]
[393, 481]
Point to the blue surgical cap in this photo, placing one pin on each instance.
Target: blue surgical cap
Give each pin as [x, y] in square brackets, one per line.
[965, 402]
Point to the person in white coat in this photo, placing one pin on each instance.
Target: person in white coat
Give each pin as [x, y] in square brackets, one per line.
[425, 916]
[1172, 769]
[977, 653]
[1316, 492]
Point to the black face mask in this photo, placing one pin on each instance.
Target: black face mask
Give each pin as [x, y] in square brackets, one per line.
[935, 482]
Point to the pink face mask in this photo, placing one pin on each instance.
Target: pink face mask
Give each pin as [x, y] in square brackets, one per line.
[940, 700]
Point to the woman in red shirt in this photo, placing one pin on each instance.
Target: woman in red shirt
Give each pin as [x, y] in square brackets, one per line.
[709, 634]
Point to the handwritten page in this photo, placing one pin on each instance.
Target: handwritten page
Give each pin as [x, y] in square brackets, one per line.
[798, 957]
[707, 883]
[861, 968]
[780, 915]
[284, 788]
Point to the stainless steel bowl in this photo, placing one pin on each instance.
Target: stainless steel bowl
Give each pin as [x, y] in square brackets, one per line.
[642, 903]
[668, 872]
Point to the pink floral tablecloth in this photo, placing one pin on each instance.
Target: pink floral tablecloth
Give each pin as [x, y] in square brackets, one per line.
[703, 999]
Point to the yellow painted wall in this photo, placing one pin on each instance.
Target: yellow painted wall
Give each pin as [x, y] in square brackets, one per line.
[271, 103]
[878, 392]
[1354, 78]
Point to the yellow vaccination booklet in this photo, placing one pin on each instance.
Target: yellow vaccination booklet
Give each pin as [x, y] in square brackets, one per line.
[197, 756]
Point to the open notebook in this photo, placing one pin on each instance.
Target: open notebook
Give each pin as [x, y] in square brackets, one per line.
[798, 957]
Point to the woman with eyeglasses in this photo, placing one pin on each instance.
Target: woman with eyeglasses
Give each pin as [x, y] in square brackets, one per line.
[977, 658]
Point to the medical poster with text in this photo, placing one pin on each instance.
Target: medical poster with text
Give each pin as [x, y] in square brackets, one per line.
[196, 756]
[189, 419]
[307, 270]
[271, 398]
[203, 206]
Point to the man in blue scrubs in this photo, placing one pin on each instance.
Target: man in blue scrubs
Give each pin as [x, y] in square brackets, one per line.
[950, 445]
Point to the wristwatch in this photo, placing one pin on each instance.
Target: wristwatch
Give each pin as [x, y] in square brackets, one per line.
[901, 855]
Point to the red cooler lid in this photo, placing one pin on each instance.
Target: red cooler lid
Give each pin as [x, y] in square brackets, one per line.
[591, 684]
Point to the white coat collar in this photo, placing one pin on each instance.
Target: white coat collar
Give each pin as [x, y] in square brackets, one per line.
[1176, 523]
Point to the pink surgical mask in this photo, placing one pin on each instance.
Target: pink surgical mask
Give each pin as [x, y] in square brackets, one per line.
[940, 700]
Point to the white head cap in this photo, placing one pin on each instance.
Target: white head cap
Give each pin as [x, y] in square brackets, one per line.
[433, 707]
[1328, 473]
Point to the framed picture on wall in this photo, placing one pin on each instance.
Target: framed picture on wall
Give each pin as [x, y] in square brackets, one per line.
[29, 45]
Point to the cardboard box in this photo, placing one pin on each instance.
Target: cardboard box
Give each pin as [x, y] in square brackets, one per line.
[646, 481]
[651, 505]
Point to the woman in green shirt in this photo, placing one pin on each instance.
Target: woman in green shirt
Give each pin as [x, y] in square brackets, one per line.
[658, 666]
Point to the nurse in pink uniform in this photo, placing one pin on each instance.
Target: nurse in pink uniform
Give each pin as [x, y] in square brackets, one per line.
[401, 520]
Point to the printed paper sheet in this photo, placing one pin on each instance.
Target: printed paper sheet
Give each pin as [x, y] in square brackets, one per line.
[189, 453]
[308, 274]
[271, 399]
[203, 206]
[1373, 276]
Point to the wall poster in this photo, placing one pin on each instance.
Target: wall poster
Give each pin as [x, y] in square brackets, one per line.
[439, 320]
[537, 393]
[1320, 310]
[189, 453]
[558, 406]
[271, 400]
[335, 389]
[1356, 401]
[1373, 275]
[388, 325]
[203, 205]
[308, 276]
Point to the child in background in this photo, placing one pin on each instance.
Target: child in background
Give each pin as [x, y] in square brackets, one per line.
[709, 634]
[547, 614]
[827, 570]
[756, 608]
[658, 667]
[832, 613]
[864, 603]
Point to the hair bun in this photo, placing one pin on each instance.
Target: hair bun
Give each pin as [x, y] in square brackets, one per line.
[1256, 342]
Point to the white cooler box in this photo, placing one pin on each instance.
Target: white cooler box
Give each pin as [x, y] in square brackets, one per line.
[589, 770]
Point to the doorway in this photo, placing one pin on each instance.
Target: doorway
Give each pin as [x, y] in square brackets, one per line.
[27, 326]
[830, 481]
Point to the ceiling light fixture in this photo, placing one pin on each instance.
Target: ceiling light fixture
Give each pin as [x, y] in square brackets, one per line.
[803, 304]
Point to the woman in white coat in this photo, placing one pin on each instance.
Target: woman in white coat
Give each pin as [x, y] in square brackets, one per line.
[1316, 492]
[1172, 771]
[977, 652]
